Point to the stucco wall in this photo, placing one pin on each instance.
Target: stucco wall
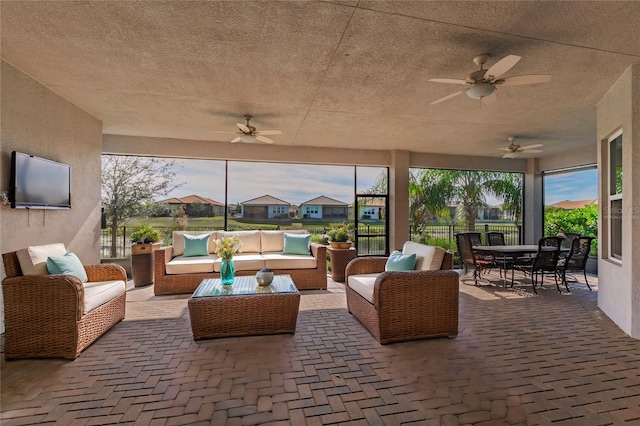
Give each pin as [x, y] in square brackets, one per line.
[619, 282]
[37, 121]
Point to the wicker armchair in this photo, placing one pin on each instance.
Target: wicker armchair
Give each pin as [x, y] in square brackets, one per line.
[44, 314]
[408, 305]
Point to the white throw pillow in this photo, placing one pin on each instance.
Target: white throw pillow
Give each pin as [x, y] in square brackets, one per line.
[33, 259]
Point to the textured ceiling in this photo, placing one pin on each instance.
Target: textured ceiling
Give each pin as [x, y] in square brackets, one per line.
[349, 73]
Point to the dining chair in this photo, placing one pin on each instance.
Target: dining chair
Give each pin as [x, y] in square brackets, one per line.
[495, 238]
[468, 258]
[546, 261]
[568, 238]
[576, 260]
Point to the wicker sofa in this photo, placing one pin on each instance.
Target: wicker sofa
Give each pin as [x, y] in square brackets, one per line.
[398, 306]
[58, 316]
[175, 274]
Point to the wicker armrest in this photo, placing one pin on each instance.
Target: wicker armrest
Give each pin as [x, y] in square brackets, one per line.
[365, 265]
[319, 251]
[43, 297]
[105, 272]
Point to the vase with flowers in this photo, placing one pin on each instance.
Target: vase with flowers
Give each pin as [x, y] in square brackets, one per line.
[226, 247]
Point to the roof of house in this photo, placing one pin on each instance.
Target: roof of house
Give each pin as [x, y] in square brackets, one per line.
[324, 201]
[372, 202]
[190, 199]
[265, 200]
[571, 204]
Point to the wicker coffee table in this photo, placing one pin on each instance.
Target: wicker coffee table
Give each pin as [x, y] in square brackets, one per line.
[244, 308]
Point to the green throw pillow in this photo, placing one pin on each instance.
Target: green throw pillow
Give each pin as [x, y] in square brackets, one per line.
[196, 245]
[69, 264]
[296, 243]
[400, 262]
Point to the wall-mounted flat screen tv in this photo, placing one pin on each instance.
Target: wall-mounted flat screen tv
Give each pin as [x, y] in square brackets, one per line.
[38, 183]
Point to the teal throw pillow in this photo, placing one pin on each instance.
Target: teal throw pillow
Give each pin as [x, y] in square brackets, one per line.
[400, 262]
[196, 245]
[69, 264]
[296, 243]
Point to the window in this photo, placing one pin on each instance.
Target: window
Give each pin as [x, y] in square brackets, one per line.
[615, 196]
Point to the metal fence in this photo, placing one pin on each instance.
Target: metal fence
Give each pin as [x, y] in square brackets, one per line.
[445, 235]
[372, 238]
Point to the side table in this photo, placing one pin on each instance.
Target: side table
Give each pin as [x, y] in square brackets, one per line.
[142, 263]
[339, 259]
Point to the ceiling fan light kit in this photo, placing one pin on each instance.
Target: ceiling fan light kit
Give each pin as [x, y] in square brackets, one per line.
[480, 90]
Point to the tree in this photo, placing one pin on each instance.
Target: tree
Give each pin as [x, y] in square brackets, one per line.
[129, 184]
[431, 191]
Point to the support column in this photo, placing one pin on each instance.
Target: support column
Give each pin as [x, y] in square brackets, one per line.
[533, 208]
[398, 199]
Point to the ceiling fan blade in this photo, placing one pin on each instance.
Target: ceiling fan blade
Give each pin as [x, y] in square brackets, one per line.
[243, 128]
[269, 132]
[238, 139]
[502, 66]
[532, 151]
[505, 149]
[519, 80]
[527, 147]
[488, 100]
[448, 80]
[454, 94]
[264, 139]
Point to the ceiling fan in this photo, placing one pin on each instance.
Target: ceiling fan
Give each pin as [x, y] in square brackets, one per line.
[249, 134]
[482, 84]
[514, 150]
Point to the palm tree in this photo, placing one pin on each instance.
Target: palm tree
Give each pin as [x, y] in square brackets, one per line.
[433, 190]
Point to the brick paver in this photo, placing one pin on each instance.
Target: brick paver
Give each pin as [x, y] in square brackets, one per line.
[520, 359]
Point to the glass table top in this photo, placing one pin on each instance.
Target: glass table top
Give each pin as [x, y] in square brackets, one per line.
[244, 285]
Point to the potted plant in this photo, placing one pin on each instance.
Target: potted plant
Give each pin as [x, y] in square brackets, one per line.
[339, 236]
[145, 239]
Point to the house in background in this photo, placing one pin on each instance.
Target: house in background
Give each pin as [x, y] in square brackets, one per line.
[324, 208]
[491, 213]
[570, 205]
[265, 207]
[195, 205]
[371, 208]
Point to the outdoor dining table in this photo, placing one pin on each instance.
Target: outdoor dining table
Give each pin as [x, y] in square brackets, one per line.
[509, 252]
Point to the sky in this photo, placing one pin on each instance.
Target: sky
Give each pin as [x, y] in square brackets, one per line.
[293, 183]
[297, 183]
[574, 186]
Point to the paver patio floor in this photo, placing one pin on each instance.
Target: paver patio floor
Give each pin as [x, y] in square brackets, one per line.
[519, 359]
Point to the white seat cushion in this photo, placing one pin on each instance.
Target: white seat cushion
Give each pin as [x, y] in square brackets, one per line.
[243, 262]
[363, 285]
[98, 293]
[33, 259]
[191, 265]
[428, 258]
[289, 261]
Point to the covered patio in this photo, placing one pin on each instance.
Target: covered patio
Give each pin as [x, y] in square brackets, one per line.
[519, 359]
[348, 83]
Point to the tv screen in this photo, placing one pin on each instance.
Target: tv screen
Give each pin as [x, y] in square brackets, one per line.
[37, 183]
